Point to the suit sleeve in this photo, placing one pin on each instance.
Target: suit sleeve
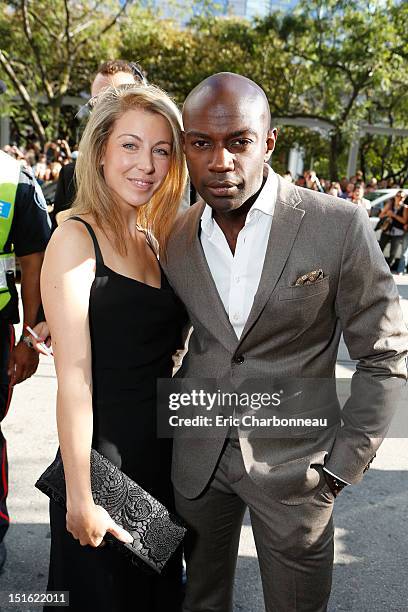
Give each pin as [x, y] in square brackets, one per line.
[367, 305]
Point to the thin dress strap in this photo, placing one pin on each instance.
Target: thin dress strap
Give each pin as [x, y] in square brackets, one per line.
[98, 253]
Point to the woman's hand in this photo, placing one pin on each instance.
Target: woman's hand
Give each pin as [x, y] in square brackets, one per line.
[89, 526]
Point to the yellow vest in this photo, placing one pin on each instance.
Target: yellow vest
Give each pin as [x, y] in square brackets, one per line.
[9, 177]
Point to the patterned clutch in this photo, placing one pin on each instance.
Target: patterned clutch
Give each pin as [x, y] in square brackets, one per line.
[156, 533]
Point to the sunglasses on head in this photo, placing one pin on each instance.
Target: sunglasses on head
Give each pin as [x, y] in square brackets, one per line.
[137, 73]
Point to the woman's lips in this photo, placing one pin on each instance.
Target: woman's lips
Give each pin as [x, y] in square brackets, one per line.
[141, 184]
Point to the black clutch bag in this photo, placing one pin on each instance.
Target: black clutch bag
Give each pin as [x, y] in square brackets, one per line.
[156, 532]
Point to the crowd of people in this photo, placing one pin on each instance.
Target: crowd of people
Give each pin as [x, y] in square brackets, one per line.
[352, 189]
[46, 162]
[393, 215]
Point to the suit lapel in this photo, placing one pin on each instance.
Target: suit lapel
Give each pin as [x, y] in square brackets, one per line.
[285, 226]
[210, 309]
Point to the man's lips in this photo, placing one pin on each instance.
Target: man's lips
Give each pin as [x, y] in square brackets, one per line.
[222, 188]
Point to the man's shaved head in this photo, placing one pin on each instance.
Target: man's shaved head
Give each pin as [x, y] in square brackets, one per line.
[228, 139]
[225, 84]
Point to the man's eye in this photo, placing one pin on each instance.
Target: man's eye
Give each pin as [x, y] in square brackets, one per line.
[241, 142]
[201, 144]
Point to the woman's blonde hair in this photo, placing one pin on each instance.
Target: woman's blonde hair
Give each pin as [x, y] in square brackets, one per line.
[93, 194]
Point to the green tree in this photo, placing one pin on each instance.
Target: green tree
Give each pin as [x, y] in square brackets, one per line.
[342, 52]
[162, 47]
[47, 54]
[339, 61]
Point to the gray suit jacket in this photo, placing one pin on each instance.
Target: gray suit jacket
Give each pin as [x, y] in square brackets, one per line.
[294, 332]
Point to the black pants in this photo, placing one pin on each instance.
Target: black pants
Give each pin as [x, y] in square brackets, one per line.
[6, 344]
[395, 241]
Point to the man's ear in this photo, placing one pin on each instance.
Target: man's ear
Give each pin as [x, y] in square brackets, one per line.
[271, 138]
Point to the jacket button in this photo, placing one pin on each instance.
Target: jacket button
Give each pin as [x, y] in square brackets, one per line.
[239, 359]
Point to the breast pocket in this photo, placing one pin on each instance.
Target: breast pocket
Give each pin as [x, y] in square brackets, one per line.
[295, 310]
[303, 292]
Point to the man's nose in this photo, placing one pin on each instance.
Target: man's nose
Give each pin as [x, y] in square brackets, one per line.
[222, 160]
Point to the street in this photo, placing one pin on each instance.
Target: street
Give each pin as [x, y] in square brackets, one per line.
[371, 544]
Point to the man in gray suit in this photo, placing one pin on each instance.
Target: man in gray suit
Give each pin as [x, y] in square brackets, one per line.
[271, 275]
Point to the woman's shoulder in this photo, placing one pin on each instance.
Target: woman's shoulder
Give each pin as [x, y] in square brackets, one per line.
[73, 237]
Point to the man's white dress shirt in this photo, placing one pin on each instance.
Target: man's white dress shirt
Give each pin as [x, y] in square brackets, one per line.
[237, 276]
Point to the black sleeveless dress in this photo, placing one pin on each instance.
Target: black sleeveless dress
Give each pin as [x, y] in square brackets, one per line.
[135, 329]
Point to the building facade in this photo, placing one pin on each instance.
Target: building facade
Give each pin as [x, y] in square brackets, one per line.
[183, 10]
[257, 8]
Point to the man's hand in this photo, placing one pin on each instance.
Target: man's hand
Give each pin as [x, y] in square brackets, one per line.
[23, 362]
[42, 331]
[335, 484]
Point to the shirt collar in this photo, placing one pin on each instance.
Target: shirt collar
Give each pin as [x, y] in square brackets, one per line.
[207, 222]
[266, 200]
[265, 203]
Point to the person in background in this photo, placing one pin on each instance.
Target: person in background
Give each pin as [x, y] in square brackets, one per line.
[14, 151]
[40, 169]
[343, 186]
[54, 171]
[372, 185]
[288, 176]
[395, 216]
[403, 261]
[357, 197]
[334, 189]
[312, 181]
[324, 183]
[357, 178]
[24, 232]
[110, 73]
[349, 191]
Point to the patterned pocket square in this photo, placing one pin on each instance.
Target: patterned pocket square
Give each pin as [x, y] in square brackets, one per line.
[309, 278]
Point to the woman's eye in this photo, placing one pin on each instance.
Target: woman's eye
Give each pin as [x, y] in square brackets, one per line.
[161, 151]
[130, 146]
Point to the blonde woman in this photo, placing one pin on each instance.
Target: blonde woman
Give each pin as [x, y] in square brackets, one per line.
[115, 323]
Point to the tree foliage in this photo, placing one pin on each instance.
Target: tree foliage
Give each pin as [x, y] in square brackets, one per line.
[49, 51]
[343, 62]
